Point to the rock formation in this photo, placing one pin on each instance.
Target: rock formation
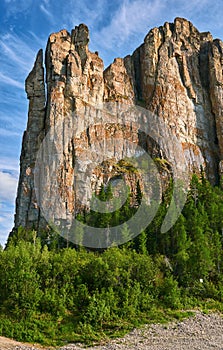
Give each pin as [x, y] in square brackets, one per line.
[177, 73]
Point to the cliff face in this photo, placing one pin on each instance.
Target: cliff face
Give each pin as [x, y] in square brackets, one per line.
[177, 73]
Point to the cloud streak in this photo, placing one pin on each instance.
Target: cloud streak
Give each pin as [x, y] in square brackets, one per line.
[10, 165]
[18, 52]
[46, 12]
[6, 224]
[14, 6]
[8, 185]
[7, 80]
[133, 17]
[10, 133]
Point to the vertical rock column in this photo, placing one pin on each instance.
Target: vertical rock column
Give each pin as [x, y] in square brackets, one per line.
[216, 91]
[26, 207]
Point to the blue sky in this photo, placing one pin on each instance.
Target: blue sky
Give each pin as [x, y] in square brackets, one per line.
[116, 27]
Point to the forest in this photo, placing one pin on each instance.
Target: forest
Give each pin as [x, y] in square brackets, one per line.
[53, 292]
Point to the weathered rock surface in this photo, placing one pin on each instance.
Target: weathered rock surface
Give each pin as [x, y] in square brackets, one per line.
[177, 73]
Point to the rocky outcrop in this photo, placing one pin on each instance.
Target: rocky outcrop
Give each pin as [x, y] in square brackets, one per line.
[177, 74]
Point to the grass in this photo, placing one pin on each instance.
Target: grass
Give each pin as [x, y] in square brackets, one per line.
[51, 331]
[45, 330]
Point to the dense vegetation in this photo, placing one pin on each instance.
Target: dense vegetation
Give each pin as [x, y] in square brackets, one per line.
[51, 292]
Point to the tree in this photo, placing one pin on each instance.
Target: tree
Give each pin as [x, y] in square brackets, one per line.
[102, 193]
[200, 261]
[181, 249]
[125, 236]
[109, 193]
[142, 242]
[138, 194]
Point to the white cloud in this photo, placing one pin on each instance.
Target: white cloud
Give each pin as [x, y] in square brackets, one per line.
[8, 187]
[15, 6]
[47, 12]
[7, 80]
[9, 52]
[6, 224]
[10, 165]
[127, 27]
[16, 60]
[41, 42]
[133, 19]
[17, 51]
[76, 12]
[8, 133]
[13, 121]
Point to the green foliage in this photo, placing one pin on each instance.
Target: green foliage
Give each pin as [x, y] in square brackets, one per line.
[50, 292]
[138, 194]
[170, 293]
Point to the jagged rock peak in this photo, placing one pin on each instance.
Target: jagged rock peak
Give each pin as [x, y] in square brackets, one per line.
[80, 36]
[177, 74]
[80, 39]
[180, 28]
[34, 81]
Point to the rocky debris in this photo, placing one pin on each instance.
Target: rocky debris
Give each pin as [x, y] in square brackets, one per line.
[203, 332]
[176, 74]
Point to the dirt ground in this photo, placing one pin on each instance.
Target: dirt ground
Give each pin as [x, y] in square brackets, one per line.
[9, 344]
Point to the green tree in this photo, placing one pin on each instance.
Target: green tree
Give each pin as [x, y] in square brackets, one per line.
[139, 194]
[181, 249]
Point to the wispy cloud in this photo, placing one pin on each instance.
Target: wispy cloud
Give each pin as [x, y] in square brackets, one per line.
[7, 80]
[8, 185]
[131, 18]
[16, 60]
[10, 165]
[91, 13]
[10, 121]
[18, 51]
[5, 132]
[47, 12]
[9, 52]
[41, 42]
[14, 6]
[6, 224]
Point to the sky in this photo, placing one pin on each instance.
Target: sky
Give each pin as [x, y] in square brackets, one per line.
[117, 28]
